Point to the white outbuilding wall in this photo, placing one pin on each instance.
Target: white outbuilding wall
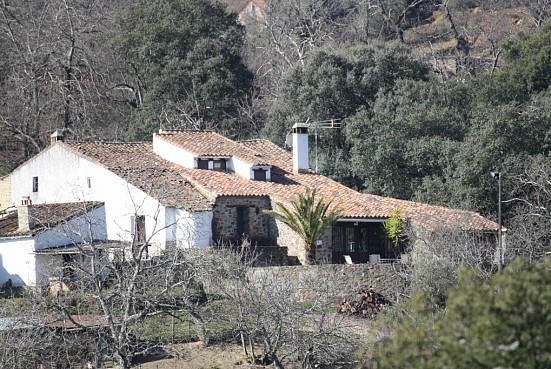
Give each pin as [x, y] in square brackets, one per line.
[190, 229]
[17, 261]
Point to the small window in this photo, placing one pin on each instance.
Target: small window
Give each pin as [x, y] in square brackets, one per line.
[35, 184]
[219, 164]
[202, 164]
[260, 174]
[89, 182]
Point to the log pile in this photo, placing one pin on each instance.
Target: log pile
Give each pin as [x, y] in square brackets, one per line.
[367, 304]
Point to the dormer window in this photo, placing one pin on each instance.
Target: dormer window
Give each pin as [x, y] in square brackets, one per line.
[212, 163]
[260, 174]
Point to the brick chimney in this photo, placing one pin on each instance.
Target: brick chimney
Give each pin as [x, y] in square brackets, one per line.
[25, 214]
[57, 136]
[300, 147]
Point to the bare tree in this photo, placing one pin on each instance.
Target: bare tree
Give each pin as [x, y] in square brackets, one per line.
[529, 227]
[58, 71]
[129, 281]
[282, 321]
[437, 257]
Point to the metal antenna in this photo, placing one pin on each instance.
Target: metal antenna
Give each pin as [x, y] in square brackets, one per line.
[322, 124]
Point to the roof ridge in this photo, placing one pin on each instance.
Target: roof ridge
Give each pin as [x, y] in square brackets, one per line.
[108, 142]
[176, 130]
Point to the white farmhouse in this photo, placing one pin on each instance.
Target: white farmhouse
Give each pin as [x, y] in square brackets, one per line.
[193, 189]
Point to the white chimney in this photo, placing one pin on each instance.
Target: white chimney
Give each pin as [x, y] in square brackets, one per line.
[25, 214]
[300, 147]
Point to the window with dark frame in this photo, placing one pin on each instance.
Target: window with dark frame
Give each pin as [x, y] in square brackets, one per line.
[35, 184]
[202, 164]
[219, 164]
[89, 182]
[260, 174]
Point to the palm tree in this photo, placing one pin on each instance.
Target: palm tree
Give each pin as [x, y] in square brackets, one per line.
[307, 217]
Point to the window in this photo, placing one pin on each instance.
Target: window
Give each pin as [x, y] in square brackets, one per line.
[215, 164]
[260, 174]
[202, 164]
[219, 164]
[35, 184]
[89, 182]
[69, 266]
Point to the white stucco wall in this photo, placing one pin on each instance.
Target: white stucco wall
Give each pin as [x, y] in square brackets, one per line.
[64, 177]
[48, 266]
[189, 230]
[17, 261]
[172, 153]
[58, 178]
[242, 168]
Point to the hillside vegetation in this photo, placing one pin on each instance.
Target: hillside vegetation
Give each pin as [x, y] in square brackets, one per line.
[432, 96]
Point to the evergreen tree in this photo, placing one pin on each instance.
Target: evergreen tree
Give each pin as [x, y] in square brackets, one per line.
[184, 64]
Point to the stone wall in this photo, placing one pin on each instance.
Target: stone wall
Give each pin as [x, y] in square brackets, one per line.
[285, 237]
[333, 281]
[224, 222]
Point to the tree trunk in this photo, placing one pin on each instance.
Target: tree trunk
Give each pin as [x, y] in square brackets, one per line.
[124, 361]
[309, 255]
[201, 328]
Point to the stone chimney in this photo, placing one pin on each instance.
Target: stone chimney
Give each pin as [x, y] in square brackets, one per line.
[57, 136]
[25, 214]
[300, 147]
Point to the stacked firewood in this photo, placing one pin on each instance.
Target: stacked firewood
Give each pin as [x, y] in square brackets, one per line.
[367, 303]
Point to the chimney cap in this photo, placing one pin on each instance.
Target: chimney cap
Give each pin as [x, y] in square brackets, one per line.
[26, 201]
[57, 133]
[57, 136]
[300, 128]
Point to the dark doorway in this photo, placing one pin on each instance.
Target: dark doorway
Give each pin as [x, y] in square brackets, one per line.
[242, 228]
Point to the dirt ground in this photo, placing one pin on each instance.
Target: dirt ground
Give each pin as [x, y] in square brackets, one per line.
[196, 356]
[226, 356]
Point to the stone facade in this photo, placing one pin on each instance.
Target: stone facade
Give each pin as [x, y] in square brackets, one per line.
[260, 229]
[333, 281]
[254, 223]
[286, 237]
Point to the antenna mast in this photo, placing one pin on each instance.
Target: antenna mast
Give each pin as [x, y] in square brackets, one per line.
[322, 124]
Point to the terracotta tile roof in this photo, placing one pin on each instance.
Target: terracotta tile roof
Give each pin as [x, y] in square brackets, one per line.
[432, 217]
[208, 144]
[195, 189]
[136, 163]
[286, 184]
[45, 216]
